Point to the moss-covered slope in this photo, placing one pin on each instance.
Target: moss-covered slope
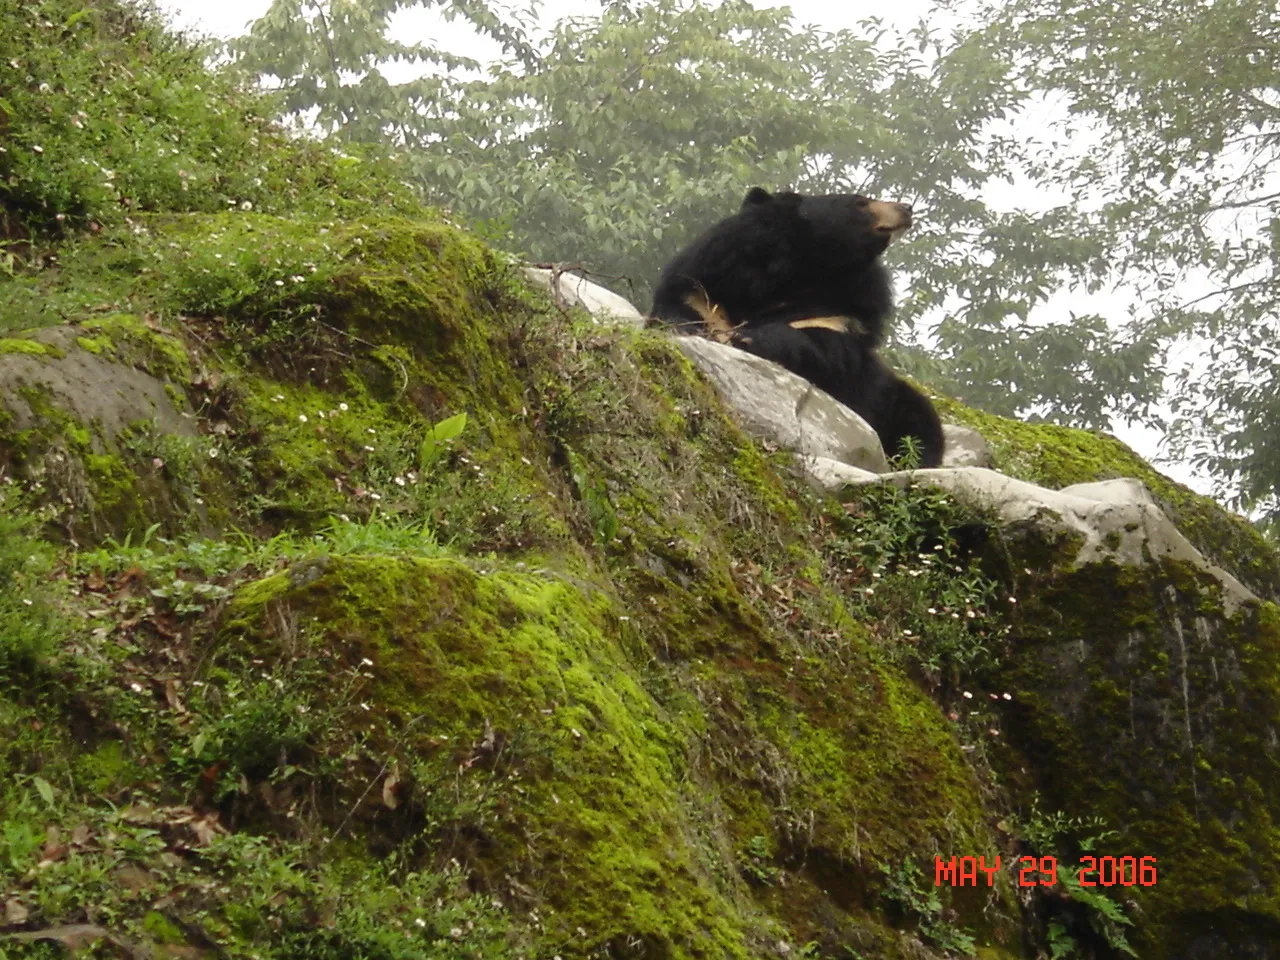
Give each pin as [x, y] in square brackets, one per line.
[355, 602]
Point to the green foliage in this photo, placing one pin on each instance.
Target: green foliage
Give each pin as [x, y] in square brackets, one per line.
[1176, 103]
[29, 624]
[1065, 837]
[1106, 917]
[437, 440]
[1058, 833]
[925, 584]
[107, 114]
[908, 889]
[756, 861]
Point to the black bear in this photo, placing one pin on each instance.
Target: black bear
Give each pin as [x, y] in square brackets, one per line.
[798, 280]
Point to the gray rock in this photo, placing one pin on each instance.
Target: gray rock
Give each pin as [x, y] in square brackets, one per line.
[965, 447]
[1117, 519]
[775, 405]
[571, 290]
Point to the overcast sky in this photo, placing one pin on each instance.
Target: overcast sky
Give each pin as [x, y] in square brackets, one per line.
[228, 18]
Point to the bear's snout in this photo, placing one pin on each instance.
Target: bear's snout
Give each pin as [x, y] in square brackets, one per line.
[890, 217]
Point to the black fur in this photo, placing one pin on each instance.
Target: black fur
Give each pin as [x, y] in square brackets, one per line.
[802, 256]
[787, 258]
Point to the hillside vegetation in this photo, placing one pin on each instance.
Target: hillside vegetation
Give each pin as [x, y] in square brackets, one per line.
[356, 602]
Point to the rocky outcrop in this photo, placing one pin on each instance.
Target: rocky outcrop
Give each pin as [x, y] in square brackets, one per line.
[1142, 676]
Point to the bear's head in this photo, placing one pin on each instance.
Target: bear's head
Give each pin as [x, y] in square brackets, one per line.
[851, 226]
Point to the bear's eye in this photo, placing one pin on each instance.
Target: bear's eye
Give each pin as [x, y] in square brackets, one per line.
[861, 201]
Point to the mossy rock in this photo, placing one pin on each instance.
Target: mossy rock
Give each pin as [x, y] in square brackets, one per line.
[1057, 457]
[1138, 700]
[85, 414]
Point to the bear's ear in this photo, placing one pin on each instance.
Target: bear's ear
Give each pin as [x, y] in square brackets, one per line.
[755, 197]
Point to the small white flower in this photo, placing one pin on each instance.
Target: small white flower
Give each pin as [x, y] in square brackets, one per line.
[302, 417]
[343, 407]
[968, 695]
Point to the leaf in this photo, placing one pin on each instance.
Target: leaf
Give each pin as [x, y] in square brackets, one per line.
[44, 789]
[15, 912]
[390, 800]
[197, 745]
[439, 435]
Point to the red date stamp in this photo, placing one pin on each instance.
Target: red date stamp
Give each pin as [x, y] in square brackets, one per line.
[1043, 871]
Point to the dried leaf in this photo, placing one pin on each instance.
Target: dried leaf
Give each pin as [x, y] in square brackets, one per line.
[132, 877]
[72, 936]
[54, 848]
[14, 912]
[389, 787]
[206, 829]
[171, 696]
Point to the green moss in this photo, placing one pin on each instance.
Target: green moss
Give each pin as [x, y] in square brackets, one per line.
[128, 339]
[1099, 655]
[580, 761]
[107, 768]
[32, 348]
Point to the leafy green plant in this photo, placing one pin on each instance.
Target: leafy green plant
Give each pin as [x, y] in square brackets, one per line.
[909, 889]
[1058, 834]
[1049, 832]
[914, 568]
[438, 438]
[756, 860]
[29, 624]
